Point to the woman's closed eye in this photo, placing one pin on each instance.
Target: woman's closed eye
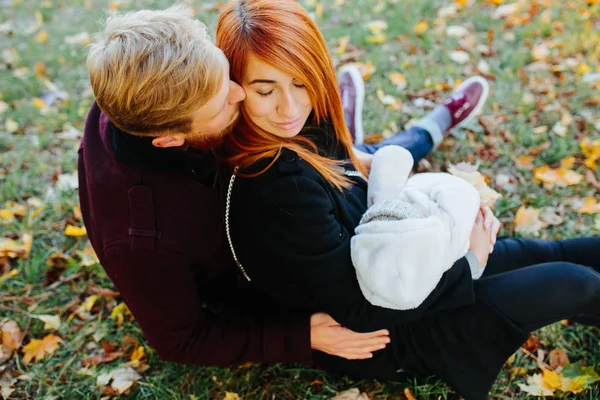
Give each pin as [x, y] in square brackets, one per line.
[266, 94]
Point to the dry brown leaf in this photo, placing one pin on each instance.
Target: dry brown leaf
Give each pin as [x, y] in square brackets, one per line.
[351, 394]
[101, 359]
[38, 349]
[11, 335]
[558, 358]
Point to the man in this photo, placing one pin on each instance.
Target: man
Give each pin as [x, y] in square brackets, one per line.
[151, 198]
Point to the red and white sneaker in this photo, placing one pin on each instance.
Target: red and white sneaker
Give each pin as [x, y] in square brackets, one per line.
[352, 90]
[467, 100]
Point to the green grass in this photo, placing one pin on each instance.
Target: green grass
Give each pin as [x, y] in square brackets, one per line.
[34, 156]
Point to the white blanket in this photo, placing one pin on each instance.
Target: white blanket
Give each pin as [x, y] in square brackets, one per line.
[414, 231]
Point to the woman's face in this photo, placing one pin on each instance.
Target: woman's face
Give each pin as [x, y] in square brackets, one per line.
[275, 102]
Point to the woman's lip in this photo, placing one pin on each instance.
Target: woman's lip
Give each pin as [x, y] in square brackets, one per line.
[289, 125]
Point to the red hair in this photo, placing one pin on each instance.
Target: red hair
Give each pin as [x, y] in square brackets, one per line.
[282, 34]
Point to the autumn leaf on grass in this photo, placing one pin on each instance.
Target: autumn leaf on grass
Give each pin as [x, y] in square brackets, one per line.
[119, 313]
[75, 231]
[389, 100]
[11, 339]
[528, 222]
[591, 206]
[573, 379]
[591, 150]
[351, 394]
[377, 28]
[420, 28]
[231, 396]
[398, 79]
[16, 248]
[83, 311]
[88, 257]
[470, 174]
[367, 69]
[562, 176]
[51, 322]
[38, 349]
[120, 379]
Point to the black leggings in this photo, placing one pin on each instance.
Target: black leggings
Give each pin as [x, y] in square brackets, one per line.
[538, 282]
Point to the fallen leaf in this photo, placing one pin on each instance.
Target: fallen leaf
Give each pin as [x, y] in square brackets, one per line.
[558, 358]
[377, 27]
[11, 335]
[319, 10]
[561, 176]
[38, 349]
[505, 10]
[7, 384]
[75, 231]
[376, 39]
[123, 379]
[420, 28]
[51, 322]
[409, 394]
[474, 177]
[591, 206]
[136, 356]
[398, 79]
[389, 100]
[231, 396]
[101, 359]
[16, 248]
[456, 31]
[527, 221]
[350, 394]
[525, 162]
[87, 257]
[367, 69]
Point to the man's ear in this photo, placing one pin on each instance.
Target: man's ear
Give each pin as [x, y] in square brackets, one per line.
[168, 141]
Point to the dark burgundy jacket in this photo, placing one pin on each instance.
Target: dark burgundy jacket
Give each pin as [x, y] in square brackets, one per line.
[155, 219]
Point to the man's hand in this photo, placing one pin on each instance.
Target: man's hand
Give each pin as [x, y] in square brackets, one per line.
[491, 223]
[328, 336]
[365, 159]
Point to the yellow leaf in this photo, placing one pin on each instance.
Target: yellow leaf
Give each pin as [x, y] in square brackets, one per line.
[475, 178]
[137, 355]
[420, 28]
[525, 162]
[342, 45]
[231, 396]
[11, 335]
[461, 3]
[38, 349]
[496, 2]
[38, 103]
[567, 162]
[574, 385]
[527, 221]
[569, 177]
[89, 302]
[71, 230]
[398, 79]
[590, 148]
[7, 275]
[591, 206]
[16, 248]
[319, 10]
[376, 39]
[7, 215]
[42, 37]
[551, 379]
[583, 69]
[118, 313]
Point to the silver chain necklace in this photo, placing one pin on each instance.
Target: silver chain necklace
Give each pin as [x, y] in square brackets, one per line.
[227, 207]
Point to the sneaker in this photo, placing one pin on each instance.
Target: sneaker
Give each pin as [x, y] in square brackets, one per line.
[467, 100]
[352, 90]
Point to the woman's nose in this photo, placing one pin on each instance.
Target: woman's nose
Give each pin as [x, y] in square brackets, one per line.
[288, 107]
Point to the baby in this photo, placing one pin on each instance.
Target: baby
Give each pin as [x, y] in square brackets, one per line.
[413, 232]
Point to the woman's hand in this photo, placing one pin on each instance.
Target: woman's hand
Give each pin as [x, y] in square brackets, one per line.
[490, 222]
[328, 336]
[480, 240]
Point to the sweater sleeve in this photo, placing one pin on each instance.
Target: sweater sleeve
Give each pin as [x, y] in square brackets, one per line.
[160, 289]
[295, 249]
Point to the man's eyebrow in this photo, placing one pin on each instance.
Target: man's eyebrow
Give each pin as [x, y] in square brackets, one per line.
[261, 81]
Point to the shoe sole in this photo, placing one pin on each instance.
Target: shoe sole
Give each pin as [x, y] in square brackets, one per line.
[359, 84]
[482, 99]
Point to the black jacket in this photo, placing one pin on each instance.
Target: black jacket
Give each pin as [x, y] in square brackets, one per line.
[291, 231]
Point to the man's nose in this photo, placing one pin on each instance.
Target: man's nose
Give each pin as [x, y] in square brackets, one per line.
[236, 93]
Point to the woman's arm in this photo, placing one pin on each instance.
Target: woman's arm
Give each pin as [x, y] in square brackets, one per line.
[295, 249]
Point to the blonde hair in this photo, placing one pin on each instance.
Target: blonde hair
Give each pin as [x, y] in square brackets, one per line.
[149, 69]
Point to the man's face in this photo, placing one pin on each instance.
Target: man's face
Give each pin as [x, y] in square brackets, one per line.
[215, 119]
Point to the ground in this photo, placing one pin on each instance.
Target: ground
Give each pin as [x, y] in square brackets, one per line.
[541, 58]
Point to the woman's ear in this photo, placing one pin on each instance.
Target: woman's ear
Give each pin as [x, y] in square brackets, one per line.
[168, 141]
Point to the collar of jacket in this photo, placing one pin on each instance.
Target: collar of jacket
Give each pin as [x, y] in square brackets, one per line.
[139, 153]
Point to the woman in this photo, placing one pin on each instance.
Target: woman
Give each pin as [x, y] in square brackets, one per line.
[298, 195]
